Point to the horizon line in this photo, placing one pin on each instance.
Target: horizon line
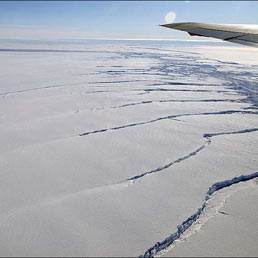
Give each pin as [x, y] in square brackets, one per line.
[118, 39]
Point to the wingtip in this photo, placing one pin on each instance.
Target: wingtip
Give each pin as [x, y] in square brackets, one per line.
[165, 25]
[177, 25]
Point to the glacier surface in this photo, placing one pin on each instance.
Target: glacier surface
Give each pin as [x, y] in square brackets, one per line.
[106, 147]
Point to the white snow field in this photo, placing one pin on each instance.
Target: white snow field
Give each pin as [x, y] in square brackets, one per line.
[106, 147]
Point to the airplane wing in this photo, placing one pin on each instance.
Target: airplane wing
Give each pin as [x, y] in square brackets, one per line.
[241, 34]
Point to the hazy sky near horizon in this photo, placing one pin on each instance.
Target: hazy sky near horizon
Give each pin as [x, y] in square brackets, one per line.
[114, 19]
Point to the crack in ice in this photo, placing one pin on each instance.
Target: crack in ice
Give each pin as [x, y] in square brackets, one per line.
[166, 118]
[163, 245]
[191, 154]
[235, 132]
[174, 100]
[40, 88]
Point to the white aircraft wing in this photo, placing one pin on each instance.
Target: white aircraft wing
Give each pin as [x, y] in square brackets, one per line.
[241, 34]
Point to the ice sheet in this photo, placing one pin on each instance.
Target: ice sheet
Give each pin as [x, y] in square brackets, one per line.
[106, 148]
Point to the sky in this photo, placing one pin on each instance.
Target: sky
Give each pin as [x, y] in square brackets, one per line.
[115, 19]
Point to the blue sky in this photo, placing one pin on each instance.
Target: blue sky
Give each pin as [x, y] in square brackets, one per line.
[114, 19]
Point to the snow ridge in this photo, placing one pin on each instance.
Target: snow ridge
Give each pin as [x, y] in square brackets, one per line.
[160, 246]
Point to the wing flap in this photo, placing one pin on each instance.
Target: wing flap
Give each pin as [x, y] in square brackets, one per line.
[249, 40]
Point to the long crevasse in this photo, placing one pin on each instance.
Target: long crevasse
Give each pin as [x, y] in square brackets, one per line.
[160, 246]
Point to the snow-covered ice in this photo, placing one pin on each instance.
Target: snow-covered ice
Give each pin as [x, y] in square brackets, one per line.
[107, 146]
